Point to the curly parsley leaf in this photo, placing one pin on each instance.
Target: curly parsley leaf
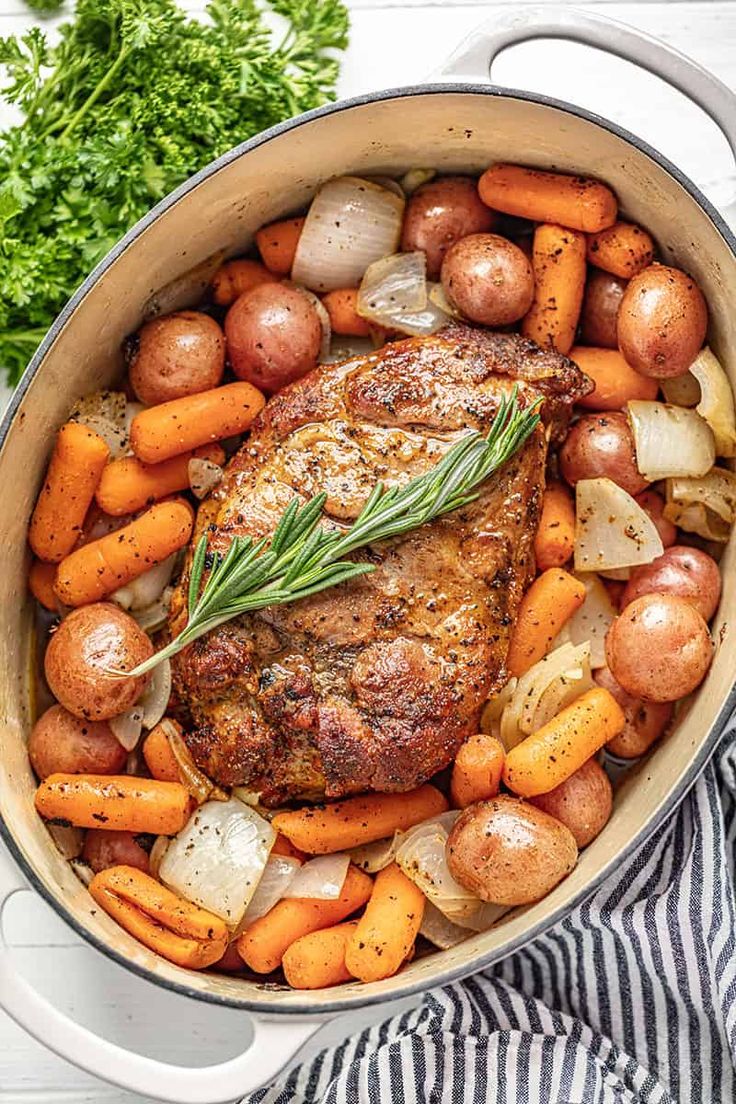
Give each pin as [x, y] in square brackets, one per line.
[133, 99]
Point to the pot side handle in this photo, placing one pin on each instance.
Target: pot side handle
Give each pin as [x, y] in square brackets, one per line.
[274, 1042]
[474, 56]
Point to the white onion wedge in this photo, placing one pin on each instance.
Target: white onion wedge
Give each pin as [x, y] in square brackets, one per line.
[592, 620]
[393, 285]
[440, 931]
[105, 413]
[218, 858]
[414, 179]
[422, 856]
[147, 588]
[375, 856]
[611, 529]
[350, 224]
[670, 440]
[204, 475]
[68, 839]
[706, 506]
[155, 700]
[716, 403]
[127, 726]
[320, 879]
[279, 873]
[547, 687]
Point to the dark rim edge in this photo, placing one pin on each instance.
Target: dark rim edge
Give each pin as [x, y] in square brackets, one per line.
[481, 960]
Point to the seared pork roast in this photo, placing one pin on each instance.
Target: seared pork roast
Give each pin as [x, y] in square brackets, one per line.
[373, 684]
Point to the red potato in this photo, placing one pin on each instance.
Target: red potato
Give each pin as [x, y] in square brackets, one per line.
[88, 643]
[488, 279]
[439, 214]
[176, 355]
[114, 848]
[602, 446]
[62, 743]
[659, 649]
[653, 504]
[273, 336]
[583, 802]
[687, 572]
[662, 322]
[645, 721]
[598, 318]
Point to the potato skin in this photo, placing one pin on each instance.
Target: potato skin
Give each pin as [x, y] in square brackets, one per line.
[441, 212]
[603, 295]
[653, 504]
[273, 336]
[489, 279]
[659, 648]
[687, 572]
[103, 849]
[645, 721]
[508, 852]
[176, 355]
[602, 445]
[61, 742]
[662, 322]
[86, 642]
[583, 802]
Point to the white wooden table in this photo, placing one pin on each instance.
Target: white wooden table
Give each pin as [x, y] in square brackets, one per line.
[392, 43]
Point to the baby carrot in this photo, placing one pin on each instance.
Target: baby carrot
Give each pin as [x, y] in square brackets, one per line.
[623, 249]
[577, 202]
[159, 757]
[555, 751]
[555, 539]
[548, 604]
[317, 960]
[235, 277]
[263, 944]
[127, 485]
[41, 579]
[163, 431]
[385, 934]
[321, 829]
[102, 566]
[476, 772]
[616, 382]
[558, 262]
[277, 244]
[176, 929]
[341, 305]
[114, 801]
[76, 464]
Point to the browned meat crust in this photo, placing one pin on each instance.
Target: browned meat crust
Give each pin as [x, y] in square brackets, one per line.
[376, 683]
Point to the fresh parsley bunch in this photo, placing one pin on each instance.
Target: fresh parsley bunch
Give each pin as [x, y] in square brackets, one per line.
[135, 97]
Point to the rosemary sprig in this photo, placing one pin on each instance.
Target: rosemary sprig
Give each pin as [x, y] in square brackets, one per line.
[302, 557]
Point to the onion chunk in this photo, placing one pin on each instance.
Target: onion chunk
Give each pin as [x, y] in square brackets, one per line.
[670, 440]
[350, 224]
[546, 688]
[706, 506]
[321, 879]
[590, 623]
[218, 858]
[716, 401]
[611, 529]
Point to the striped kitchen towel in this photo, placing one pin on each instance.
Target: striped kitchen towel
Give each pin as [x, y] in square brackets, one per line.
[631, 998]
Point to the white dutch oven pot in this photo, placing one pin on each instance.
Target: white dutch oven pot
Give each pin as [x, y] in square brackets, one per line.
[455, 126]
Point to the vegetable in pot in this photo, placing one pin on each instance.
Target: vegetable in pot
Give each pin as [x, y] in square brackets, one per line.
[659, 649]
[488, 279]
[439, 214]
[179, 354]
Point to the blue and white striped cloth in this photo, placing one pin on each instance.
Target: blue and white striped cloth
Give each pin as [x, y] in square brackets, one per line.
[631, 998]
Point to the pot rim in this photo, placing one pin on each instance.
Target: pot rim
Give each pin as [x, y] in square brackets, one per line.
[478, 961]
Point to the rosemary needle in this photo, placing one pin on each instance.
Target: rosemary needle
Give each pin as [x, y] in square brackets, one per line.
[303, 558]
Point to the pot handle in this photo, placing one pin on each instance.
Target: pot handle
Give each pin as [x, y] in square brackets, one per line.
[474, 56]
[274, 1042]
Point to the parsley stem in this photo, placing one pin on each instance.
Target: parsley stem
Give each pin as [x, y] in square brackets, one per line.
[95, 93]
